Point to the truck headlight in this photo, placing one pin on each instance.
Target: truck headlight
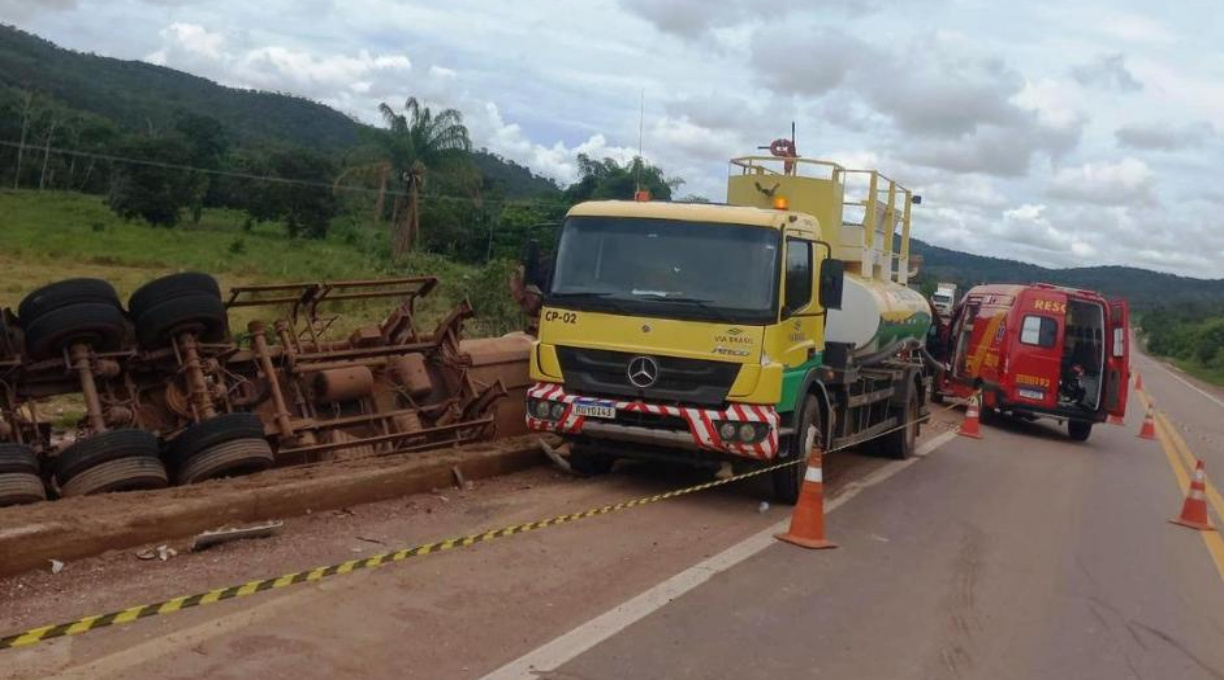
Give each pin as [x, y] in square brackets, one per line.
[541, 409]
[558, 410]
[736, 432]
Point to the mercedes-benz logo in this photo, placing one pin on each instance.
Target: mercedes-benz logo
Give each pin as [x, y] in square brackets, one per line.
[643, 372]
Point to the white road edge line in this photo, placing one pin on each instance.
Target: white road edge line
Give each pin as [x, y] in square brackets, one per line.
[554, 654]
[1187, 383]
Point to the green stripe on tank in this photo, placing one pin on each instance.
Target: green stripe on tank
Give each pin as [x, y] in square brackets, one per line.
[792, 380]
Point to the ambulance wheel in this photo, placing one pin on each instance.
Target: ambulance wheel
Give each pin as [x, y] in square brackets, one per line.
[589, 461]
[787, 481]
[1079, 430]
[900, 444]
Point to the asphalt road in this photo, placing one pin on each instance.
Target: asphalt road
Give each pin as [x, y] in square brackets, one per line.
[1023, 555]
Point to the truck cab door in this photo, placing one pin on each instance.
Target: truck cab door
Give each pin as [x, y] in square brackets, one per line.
[1117, 378]
[795, 336]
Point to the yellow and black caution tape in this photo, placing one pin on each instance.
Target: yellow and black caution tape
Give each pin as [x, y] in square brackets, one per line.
[122, 616]
[88, 623]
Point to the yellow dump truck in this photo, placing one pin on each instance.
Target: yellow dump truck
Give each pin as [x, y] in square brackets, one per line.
[750, 332]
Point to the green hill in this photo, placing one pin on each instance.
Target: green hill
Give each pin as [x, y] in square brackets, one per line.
[135, 96]
[1142, 287]
[140, 96]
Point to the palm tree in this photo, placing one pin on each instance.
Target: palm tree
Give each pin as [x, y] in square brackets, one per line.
[418, 142]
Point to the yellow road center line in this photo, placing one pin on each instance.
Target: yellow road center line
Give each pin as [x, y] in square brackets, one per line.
[1211, 539]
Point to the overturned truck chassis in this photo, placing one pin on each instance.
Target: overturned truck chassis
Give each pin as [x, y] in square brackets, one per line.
[294, 395]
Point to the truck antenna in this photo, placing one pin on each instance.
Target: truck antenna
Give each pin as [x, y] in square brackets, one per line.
[641, 134]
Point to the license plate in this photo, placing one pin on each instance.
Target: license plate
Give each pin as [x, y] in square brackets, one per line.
[1035, 395]
[596, 410]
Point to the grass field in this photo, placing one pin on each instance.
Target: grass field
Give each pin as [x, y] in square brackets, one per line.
[1201, 372]
[48, 236]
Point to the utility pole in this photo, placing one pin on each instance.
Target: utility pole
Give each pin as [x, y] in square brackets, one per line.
[25, 126]
[42, 180]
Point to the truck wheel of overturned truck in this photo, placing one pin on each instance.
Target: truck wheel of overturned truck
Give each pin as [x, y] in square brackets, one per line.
[1079, 430]
[172, 287]
[900, 444]
[229, 459]
[123, 474]
[100, 325]
[226, 427]
[788, 481]
[65, 294]
[590, 461]
[18, 459]
[203, 315]
[101, 448]
[19, 488]
[118, 460]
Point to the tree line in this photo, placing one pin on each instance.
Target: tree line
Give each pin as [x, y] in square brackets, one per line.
[417, 177]
[1191, 333]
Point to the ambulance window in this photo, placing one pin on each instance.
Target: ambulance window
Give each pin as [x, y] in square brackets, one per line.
[1119, 342]
[798, 274]
[1039, 330]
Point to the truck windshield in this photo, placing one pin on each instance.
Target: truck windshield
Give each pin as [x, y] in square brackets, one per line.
[668, 268]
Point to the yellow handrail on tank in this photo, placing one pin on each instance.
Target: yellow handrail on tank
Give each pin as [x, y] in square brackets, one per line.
[868, 245]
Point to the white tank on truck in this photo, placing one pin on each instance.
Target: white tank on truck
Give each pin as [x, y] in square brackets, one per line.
[877, 315]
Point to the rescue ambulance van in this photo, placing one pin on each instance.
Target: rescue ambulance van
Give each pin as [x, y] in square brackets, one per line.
[1040, 351]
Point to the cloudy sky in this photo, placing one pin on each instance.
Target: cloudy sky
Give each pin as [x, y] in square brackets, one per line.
[1058, 132]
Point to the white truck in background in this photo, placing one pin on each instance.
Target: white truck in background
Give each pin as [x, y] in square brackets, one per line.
[944, 298]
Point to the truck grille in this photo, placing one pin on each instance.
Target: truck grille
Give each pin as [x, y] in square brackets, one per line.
[605, 373]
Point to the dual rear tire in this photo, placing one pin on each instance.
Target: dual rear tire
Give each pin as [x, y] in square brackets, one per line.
[57, 316]
[225, 446]
[189, 302]
[117, 460]
[20, 478]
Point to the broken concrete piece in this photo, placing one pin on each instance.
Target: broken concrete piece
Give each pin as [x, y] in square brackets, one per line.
[211, 538]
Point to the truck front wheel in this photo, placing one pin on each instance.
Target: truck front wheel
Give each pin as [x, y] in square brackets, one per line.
[787, 481]
[589, 461]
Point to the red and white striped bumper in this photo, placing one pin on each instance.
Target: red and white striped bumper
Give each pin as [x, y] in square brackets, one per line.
[700, 421]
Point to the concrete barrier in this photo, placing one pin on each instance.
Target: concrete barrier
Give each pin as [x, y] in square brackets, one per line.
[74, 528]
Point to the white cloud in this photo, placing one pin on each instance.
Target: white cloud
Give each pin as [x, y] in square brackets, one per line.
[194, 39]
[695, 18]
[1163, 136]
[1001, 109]
[1128, 181]
[1135, 28]
[19, 10]
[807, 62]
[1107, 72]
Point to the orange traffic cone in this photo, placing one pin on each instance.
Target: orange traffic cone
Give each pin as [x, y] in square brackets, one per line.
[1194, 510]
[971, 426]
[1148, 431]
[807, 521]
[1138, 382]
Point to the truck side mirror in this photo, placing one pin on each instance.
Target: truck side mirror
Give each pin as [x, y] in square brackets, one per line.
[832, 283]
[533, 266]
